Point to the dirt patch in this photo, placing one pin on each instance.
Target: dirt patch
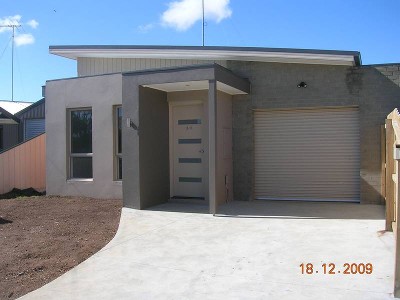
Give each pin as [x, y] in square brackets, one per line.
[43, 237]
[15, 193]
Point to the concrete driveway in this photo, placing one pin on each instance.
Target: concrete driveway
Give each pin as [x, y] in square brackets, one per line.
[250, 250]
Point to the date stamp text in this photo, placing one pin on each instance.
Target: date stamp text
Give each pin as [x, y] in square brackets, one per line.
[333, 269]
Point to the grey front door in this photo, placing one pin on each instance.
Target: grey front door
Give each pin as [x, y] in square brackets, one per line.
[188, 151]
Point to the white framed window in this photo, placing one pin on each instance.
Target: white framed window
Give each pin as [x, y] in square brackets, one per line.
[118, 142]
[80, 144]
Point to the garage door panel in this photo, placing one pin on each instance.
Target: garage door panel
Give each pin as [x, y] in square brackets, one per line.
[307, 154]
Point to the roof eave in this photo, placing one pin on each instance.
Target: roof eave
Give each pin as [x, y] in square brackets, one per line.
[330, 57]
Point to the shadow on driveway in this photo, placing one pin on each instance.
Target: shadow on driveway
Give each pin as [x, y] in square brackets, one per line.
[282, 210]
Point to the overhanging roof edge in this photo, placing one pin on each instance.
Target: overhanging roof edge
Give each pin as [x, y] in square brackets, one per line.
[217, 72]
[72, 51]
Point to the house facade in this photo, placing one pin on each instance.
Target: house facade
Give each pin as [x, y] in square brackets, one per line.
[26, 122]
[218, 123]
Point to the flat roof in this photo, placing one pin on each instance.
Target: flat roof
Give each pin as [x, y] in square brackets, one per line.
[282, 55]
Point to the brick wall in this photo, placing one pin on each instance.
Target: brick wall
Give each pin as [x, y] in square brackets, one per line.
[375, 89]
[390, 71]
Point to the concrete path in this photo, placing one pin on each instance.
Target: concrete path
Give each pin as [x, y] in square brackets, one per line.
[251, 250]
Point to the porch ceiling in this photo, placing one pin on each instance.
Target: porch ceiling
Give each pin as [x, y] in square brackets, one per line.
[194, 86]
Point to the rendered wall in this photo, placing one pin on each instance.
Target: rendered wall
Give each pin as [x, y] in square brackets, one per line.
[130, 143]
[153, 147]
[224, 148]
[101, 93]
[274, 85]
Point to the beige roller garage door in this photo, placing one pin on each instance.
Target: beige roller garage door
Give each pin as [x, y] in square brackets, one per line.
[307, 154]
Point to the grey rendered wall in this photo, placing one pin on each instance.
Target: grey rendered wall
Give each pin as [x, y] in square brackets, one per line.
[224, 148]
[96, 66]
[130, 143]
[153, 147]
[274, 85]
[100, 93]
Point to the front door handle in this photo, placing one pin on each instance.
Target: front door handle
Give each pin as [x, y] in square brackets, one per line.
[201, 151]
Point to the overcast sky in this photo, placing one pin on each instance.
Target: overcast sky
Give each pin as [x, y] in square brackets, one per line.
[369, 26]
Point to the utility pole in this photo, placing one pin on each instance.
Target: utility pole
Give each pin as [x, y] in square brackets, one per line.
[12, 57]
[202, 6]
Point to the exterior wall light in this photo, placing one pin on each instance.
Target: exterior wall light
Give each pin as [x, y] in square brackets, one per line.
[302, 85]
[130, 124]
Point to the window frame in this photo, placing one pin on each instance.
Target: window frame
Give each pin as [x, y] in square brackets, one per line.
[117, 155]
[71, 155]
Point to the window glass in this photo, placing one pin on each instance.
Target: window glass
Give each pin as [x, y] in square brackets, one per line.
[81, 131]
[119, 168]
[82, 167]
[81, 161]
[119, 124]
[118, 143]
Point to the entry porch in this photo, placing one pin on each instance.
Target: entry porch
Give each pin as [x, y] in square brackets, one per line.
[177, 135]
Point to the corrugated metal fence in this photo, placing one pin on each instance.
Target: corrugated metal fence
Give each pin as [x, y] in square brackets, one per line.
[24, 166]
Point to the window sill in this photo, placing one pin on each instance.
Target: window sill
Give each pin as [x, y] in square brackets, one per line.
[72, 180]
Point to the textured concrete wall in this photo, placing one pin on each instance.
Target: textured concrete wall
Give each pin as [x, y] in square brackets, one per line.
[274, 85]
[130, 142]
[153, 147]
[224, 148]
[100, 93]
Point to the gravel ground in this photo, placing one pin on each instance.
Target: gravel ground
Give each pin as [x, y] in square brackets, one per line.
[43, 237]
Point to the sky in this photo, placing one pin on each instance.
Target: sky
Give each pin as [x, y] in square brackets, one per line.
[369, 26]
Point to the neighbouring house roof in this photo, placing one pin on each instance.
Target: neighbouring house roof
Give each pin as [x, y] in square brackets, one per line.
[17, 110]
[32, 105]
[282, 55]
[14, 106]
[7, 117]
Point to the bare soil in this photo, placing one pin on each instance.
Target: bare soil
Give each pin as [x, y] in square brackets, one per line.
[43, 237]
